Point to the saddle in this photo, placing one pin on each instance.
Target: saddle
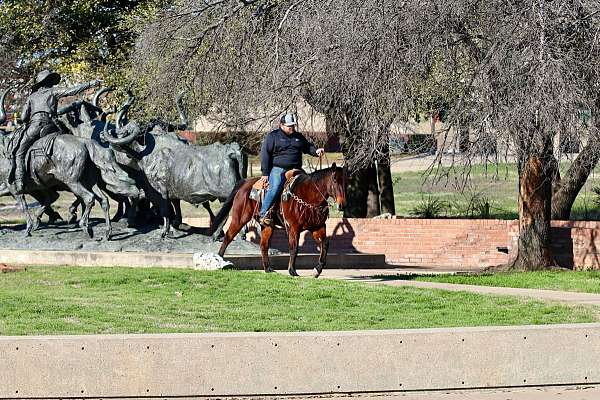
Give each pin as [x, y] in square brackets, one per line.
[42, 147]
[291, 178]
[259, 189]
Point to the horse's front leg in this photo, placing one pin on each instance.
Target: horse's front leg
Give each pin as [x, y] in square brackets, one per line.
[293, 238]
[265, 242]
[320, 237]
[165, 212]
[164, 206]
[211, 215]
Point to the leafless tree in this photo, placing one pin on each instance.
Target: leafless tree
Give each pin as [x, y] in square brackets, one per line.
[354, 61]
[516, 73]
[529, 69]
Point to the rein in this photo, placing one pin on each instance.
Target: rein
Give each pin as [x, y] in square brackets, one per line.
[319, 207]
[301, 201]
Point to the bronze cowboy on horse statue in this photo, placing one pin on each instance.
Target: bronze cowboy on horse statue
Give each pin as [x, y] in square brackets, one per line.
[40, 114]
[303, 205]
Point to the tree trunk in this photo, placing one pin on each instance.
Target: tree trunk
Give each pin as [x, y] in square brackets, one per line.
[244, 166]
[535, 193]
[386, 185]
[463, 139]
[373, 208]
[571, 184]
[357, 191]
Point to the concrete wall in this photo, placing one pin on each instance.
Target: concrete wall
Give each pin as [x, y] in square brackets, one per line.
[297, 363]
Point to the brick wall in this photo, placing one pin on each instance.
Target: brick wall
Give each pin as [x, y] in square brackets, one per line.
[414, 242]
[449, 242]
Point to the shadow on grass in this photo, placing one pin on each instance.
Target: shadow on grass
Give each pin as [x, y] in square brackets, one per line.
[410, 276]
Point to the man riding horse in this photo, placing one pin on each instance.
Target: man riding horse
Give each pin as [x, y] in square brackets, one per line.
[281, 151]
[39, 113]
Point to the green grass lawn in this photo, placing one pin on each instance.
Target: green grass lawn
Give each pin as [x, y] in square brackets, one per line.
[572, 281]
[45, 300]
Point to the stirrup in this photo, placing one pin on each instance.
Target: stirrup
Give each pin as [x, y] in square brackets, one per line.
[266, 221]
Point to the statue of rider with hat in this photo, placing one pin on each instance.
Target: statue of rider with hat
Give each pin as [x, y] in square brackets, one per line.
[39, 113]
[281, 151]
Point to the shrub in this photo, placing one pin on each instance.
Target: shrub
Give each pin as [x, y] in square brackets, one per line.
[429, 207]
[477, 205]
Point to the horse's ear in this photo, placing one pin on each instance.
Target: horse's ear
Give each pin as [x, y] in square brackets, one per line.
[333, 166]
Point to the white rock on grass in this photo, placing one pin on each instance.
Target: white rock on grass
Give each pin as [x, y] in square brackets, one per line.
[210, 262]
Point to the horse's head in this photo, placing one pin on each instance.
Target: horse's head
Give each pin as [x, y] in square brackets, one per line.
[337, 186]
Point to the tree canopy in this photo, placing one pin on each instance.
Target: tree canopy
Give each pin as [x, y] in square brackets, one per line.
[81, 38]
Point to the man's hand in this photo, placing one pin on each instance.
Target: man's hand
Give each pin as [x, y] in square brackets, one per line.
[320, 152]
[264, 180]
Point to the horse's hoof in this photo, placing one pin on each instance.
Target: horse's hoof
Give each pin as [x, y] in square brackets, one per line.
[72, 219]
[88, 232]
[107, 236]
[53, 220]
[316, 273]
[293, 272]
[269, 270]
[167, 235]
[27, 233]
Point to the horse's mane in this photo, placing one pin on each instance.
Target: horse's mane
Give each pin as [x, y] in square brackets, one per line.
[321, 173]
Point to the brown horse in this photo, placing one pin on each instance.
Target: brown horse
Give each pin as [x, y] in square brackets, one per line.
[305, 208]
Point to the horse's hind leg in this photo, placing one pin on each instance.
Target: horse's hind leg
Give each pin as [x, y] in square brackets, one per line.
[73, 210]
[45, 199]
[121, 206]
[293, 237]
[53, 215]
[87, 199]
[240, 216]
[104, 203]
[320, 237]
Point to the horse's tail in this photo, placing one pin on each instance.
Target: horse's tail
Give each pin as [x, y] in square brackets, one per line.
[219, 221]
[115, 178]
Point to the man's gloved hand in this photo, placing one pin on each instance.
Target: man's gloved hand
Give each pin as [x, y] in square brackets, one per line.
[263, 181]
[320, 152]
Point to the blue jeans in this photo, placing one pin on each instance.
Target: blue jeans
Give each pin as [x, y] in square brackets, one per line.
[276, 181]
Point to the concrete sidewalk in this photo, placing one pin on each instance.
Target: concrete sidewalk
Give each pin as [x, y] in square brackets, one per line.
[528, 393]
[587, 393]
[397, 277]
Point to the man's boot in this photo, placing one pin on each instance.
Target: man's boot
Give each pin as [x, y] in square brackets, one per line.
[19, 176]
[267, 220]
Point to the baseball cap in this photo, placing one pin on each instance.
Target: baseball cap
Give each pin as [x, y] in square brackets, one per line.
[288, 120]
